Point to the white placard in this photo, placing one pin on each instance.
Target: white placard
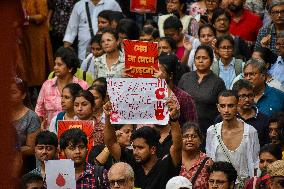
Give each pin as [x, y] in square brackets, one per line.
[60, 174]
[138, 101]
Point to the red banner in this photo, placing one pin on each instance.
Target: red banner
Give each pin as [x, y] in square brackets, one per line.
[143, 6]
[86, 126]
[141, 58]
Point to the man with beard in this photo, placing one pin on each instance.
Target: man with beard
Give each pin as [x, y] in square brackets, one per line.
[244, 23]
[73, 145]
[233, 140]
[248, 112]
[150, 171]
[46, 144]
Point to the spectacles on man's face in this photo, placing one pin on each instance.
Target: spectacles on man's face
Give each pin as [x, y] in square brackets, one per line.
[250, 74]
[244, 96]
[119, 182]
[277, 12]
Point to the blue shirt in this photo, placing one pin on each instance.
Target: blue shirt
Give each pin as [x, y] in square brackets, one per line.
[277, 70]
[227, 73]
[271, 101]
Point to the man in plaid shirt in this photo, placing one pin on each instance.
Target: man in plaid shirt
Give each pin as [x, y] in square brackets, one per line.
[73, 145]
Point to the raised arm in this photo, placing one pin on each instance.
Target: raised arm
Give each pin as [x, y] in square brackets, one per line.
[110, 136]
[176, 148]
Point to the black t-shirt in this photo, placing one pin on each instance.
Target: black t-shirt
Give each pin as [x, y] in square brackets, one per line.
[95, 151]
[159, 175]
[164, 147]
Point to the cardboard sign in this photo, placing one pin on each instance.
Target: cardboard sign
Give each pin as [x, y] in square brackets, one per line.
[141, 58]
[86, 126]
[143, 6]
[138, 101]
[60, 174]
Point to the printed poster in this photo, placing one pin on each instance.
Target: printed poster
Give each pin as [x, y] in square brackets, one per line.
[138, 101]
[141, 58]
[86, 126]
[60, 174]
[143, 6]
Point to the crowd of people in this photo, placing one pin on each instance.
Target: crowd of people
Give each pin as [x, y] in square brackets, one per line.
[223, 61]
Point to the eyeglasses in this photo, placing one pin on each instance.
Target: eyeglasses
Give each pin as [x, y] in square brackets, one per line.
[277, 12]
[244, 96]
[118, 182]
[217, 182]
[212, 1]
[228, 48]
[250, 74]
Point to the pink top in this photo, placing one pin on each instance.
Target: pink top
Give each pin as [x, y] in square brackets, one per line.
[49, 99]
[180, 51]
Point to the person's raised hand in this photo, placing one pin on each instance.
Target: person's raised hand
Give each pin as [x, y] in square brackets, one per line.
[173, 110]
[107, 108]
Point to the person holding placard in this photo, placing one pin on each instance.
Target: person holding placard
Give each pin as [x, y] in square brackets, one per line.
[150, 171]
[73, 145]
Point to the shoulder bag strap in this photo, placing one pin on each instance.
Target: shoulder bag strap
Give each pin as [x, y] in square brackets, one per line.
[198, 171]
[89, 19]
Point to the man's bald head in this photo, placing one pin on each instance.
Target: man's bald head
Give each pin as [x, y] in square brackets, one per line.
[121, 175]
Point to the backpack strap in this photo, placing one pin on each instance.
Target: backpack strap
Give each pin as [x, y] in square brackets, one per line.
[53, 75]
[84, 75]
[199, 170]
[59, 116]
[99, 176]
[89, 19]
[89, 63]
[238, 66]
[215, 68]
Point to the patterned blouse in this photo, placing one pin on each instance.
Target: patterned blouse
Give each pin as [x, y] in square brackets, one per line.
[201, 181]
[62, 11]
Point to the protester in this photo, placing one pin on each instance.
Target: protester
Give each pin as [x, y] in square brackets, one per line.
[32, 181]
[167, 45]
[38, 47]
[149, 34]
[46, 144]
[88, 64]
[267, 35]
[110, 64]
[194, 162]
[79, 23]
[233, 140]
[222, 175]
[100, 155]
[227, 67]
[204, 86]
[150, 172]
[179, 182]
[115, 17]
[211, 6]
[84, 105]
[276, 131]
[49, 99]
[244, 23]
[25, 122]
[73, 145]
[128, 29]
[121, 175]
[67, 103]
[221, 21]
[104, 21]
[268, 99]
[267, 155]
[276, 173]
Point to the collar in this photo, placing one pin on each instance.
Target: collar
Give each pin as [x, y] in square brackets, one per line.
[54, 81]
[205, 77]
[255, 115]
[280, 60]
[99, 3]
[231, 64]
[89, 170]
[266, 90]
[243, 17]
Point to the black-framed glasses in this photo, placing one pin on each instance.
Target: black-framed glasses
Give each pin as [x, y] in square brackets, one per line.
[277, 12]
[217, 182]
[244, 96]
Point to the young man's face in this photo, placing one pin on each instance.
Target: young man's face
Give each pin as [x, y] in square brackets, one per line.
[45, 152]
[227, 107]
[280, 46]
[77, 153]
[274, 133]
[142, 151]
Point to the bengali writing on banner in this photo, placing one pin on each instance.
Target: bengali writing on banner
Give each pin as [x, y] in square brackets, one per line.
[143, 6]
[141, 58]
[84, 125]
[138, 101]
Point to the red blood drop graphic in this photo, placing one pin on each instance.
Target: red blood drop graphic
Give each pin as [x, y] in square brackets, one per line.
[60, 181]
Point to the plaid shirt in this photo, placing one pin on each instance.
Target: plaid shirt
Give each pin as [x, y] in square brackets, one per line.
[49, 98]
[264, 31]
[187, 106]
[87, 179]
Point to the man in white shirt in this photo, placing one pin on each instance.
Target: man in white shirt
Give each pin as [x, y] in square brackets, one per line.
[78, 23]
[233, 140]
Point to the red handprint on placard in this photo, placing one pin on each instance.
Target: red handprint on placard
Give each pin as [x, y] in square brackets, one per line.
[114, 116]
[159, 111]
[160, 93]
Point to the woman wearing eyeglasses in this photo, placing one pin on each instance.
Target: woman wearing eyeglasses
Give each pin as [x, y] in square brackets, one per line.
[222, 175]
[194, 162]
